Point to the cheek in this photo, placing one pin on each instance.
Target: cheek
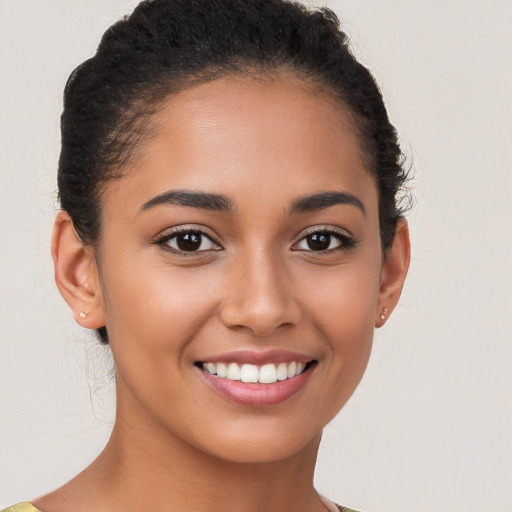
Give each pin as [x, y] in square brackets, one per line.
[345, 299]
[154, 313]
[153, 308]
[342, 306]
[343, 317]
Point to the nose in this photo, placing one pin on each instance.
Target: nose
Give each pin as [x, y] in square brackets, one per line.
[260, 296]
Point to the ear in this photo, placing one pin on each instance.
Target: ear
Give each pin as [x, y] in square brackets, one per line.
[76, 274]
[394, 270]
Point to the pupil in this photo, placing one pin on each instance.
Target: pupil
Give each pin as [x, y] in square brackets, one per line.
[189, 241]
[319, 241]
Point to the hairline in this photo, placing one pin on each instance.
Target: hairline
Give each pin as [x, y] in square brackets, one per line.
[145, 119]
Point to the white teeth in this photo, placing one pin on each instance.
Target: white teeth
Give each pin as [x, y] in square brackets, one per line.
[233, 372]
[222, 369]
[266, 374]
[282, 371]
[249, 373]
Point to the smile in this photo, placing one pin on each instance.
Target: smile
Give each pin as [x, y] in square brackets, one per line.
[260, 382]
[251, 373]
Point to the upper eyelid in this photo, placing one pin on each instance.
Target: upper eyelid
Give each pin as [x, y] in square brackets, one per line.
[323, 229]
[168, 233]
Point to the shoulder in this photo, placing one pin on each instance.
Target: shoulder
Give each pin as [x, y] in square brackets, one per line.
[334, 507]
[21, 507]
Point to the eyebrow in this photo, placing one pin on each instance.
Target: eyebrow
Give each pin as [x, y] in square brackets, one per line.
[326, 199]
[203, 200]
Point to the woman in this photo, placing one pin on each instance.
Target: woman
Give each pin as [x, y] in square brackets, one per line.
[230, 227]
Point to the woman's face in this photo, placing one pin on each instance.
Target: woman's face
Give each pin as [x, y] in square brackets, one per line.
[245, 233]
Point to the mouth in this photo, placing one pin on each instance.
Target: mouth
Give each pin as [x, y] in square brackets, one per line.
[256, 385]
[252, 373]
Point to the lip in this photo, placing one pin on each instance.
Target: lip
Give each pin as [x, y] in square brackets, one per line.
[256, 394]
[258, 358]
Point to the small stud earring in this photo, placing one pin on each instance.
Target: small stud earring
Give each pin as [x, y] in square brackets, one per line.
[384, 313]
[82, 314]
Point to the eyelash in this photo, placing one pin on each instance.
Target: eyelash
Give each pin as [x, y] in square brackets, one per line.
[345, 241]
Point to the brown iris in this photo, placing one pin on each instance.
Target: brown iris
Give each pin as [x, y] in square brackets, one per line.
[190, 241]
[319, 241]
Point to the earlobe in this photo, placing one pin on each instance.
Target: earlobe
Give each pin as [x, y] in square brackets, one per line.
[394, 272]
[76, 274]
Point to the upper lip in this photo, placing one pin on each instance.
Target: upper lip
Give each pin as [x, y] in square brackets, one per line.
[258, 357]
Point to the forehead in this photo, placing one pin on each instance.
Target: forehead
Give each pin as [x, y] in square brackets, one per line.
[236, 132]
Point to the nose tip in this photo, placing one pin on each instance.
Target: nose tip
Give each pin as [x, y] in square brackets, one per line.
[260, 302]
[261, 319]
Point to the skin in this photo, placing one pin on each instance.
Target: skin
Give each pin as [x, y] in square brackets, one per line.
[177, 444]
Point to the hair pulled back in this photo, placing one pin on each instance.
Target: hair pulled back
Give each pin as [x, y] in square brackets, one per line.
[165, 46]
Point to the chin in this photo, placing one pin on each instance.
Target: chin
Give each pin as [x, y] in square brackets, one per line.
[260, 443]
[256, 453]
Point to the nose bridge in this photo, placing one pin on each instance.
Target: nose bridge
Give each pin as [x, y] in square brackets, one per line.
[259, 296]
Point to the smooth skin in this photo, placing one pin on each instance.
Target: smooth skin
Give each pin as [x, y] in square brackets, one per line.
[254, 281]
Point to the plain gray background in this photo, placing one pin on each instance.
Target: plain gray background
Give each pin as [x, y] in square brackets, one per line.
[430, 426]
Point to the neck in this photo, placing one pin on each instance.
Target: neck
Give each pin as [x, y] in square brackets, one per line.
[144, 466]
[171, 475]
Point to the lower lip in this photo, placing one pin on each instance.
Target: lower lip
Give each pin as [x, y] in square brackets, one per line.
[255, 394]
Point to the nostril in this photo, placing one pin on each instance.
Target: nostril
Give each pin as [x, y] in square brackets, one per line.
[261, 319]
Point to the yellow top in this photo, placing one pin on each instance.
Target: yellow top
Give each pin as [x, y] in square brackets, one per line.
[28, 507]
[22, 507]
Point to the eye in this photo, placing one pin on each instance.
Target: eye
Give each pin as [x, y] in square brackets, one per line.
[188, 240]
[324, 240]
